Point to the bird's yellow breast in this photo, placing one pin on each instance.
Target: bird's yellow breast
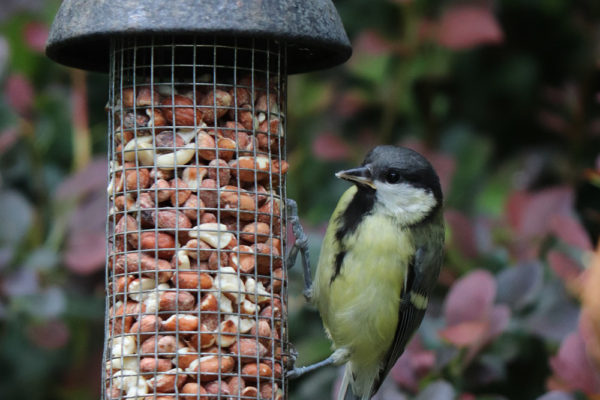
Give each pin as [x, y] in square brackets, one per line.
[359, 307]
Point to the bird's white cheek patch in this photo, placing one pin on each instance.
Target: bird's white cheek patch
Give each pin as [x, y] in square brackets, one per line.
[407, 203]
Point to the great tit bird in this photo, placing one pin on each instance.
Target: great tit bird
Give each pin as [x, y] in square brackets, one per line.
[379, 261]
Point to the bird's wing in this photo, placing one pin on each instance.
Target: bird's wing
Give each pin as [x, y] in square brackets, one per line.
[345, 391]
[411, 312]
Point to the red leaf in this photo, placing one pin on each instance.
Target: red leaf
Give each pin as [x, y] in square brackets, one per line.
[349, 103]
[529, 214]
[470, 298]
[19, 94]
[570, 231]
[35, 35]
[86, 244]
[542, 206]
[466, 333]
[563, 266]
[465, 27]
[404, 375]
[476, 334]
[8, 138]
[498, 322]
[414, 363]
[92, 178]
[329, 147]
[372, 43]
[426, 30]
[463, 233]
[515, 204]
[572, 366]
[85, 252]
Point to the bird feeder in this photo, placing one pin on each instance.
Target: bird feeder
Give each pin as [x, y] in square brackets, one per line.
[195, 274]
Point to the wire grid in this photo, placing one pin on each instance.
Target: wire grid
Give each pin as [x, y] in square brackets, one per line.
[196, 289]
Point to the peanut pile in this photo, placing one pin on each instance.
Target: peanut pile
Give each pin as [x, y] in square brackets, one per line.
[195, 261]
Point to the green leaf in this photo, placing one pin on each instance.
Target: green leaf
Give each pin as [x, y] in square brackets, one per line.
[370, 68]
[472, 154]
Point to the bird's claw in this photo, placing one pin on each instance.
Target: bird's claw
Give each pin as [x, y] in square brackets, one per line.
[300, 246]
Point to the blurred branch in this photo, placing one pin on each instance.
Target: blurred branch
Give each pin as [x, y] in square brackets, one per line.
[82, 148]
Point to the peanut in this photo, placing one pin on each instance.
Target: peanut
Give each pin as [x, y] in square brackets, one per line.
[163, 242]
[252, 371]
[151, 364]
[179, 111]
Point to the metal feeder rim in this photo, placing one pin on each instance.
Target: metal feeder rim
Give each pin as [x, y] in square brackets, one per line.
[82, 29]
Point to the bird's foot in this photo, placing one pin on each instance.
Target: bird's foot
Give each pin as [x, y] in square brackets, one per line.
[300, 246]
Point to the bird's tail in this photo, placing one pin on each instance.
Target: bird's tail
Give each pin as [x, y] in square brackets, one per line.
[345, 392]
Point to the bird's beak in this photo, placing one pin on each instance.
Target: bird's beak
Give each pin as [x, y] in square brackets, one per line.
[360, 175]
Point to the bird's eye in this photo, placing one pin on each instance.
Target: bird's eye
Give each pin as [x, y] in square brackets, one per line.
[392, 176]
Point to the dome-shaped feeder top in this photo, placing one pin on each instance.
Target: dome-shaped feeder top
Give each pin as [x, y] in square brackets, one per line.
[312, 29]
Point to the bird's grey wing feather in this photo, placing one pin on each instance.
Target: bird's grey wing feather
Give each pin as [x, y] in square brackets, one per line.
[409, 321]
[350, 396]
[409, 317]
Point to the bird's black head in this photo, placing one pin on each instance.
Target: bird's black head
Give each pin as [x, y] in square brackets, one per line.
[395, 165]
[399, 181]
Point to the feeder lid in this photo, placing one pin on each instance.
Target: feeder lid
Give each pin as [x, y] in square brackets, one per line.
[82, 29]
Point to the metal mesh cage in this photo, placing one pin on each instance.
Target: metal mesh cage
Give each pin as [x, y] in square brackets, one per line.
[196, 289]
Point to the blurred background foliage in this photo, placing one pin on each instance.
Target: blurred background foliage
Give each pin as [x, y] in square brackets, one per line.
[502, 96]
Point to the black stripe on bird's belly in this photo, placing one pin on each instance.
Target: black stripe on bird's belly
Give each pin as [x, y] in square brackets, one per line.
[359, 207]
[339, 259]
